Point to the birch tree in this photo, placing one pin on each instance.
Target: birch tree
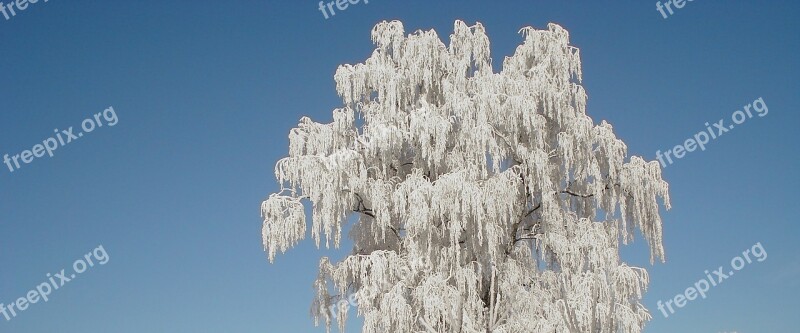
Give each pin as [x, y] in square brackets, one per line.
[475, 201]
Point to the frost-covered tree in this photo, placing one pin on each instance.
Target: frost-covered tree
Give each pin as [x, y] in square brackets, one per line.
[481, 201]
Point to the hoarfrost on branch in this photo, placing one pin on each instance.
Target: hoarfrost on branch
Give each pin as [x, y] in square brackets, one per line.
[484, 202]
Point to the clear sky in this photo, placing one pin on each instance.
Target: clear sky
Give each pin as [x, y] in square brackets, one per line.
[206, 92]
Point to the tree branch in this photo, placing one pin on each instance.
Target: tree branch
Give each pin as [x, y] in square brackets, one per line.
[513, 231]
[567, 191]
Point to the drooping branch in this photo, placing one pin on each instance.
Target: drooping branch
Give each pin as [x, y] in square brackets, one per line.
[461, 163]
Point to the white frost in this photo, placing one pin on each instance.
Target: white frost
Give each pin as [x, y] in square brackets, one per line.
[486, 202]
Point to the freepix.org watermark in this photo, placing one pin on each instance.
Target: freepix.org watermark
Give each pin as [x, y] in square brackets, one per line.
[61, 138]
[338, 4]
[712, 279]
[10, 9]
[703, 137]
[668, 6]
[42, 292]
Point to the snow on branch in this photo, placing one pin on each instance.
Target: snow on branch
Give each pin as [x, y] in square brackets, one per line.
[483, 201]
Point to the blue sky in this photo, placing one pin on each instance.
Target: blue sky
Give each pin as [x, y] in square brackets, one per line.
[206, 93]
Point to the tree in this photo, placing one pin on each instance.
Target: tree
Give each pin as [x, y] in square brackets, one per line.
[483, 202]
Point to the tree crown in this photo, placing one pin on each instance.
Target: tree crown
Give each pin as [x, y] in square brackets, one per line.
[484, 201]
